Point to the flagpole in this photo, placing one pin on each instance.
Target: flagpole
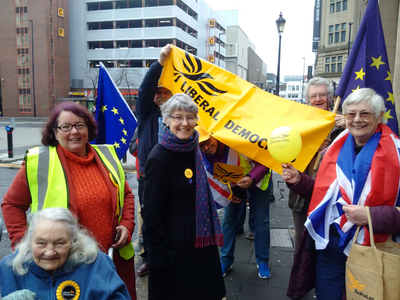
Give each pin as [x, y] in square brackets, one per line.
[335, 108]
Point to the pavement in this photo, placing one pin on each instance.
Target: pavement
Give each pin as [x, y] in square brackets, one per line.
[242, 282]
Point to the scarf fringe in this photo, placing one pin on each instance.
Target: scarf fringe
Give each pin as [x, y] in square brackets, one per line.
[205, 241]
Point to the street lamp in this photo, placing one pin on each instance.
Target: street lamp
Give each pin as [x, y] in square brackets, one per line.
[348, 44]
[219, 45]
[280, 24]
[33, 72]
[304, 68]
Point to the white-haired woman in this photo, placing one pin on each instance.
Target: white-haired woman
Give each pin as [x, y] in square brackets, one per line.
[181, 219]
[361, 168]
[57, 258]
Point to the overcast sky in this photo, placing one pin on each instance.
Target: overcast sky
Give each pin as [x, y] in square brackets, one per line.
[257, 19]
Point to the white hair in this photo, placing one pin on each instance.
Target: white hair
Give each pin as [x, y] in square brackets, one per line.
[366, 95]
[178, 102]
[83, 249]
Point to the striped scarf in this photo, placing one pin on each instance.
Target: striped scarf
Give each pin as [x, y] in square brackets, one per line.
[208, 228]
[370, 178]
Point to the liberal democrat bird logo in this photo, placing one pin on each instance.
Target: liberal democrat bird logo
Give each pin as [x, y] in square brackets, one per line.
[194, 66]
[221, 173]
[354, 284]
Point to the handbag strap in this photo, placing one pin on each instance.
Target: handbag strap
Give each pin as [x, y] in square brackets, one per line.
[371, 231]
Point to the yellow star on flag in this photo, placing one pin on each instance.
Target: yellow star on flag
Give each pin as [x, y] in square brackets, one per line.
[358, 87]
[104, 108]
[124, 131]
[387, 115]
[115, 111]
[389, 77]
[116, 145]
[377, 62]
[123, 140]
[360, 74]
[391, 98]
[121, 120]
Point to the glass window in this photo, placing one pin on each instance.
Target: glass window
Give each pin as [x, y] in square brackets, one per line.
[333, 59]
[333, 68]
[344, 5]
[337, 27]
[338, 6]
[336, 37]
[330, 38]
[340, 58]
[327, 60]
[332, 8]
[326, 68]
[343, 36]
[344, 26]
[339, 67]
[331, 28]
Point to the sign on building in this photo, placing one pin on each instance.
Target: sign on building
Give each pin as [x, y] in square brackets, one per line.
[210, 58]
[211, 22]
[60, 12]
[211, 41]
[60, 32]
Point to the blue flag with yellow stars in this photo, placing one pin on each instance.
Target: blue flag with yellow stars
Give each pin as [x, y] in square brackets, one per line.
[115, 120]
[368, 65]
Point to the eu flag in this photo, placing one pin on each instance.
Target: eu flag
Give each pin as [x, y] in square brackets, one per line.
[368, 65]
[115, 120]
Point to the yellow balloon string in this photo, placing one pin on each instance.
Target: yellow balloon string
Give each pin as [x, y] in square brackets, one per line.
[229, 186]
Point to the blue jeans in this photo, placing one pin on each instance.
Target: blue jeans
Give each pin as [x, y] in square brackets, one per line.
[259, 204]
[330, 281]
[242, 217]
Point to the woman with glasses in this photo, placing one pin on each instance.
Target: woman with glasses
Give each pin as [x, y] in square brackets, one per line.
[361, 168]
[181, 220]
[88, 180]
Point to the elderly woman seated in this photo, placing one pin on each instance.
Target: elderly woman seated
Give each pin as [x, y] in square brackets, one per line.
[58, 259]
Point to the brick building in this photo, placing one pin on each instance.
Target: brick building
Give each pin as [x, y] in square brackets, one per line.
[43, 69]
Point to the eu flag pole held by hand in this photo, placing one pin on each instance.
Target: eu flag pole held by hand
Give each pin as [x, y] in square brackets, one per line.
[115, 120]
[368, 65]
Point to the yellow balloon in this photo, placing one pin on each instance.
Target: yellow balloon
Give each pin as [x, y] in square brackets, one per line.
[284, 144]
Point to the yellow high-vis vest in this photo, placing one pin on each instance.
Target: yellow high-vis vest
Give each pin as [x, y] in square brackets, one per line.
[48, 184]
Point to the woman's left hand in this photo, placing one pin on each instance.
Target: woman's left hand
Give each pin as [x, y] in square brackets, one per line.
[356, 214]
[123, 237]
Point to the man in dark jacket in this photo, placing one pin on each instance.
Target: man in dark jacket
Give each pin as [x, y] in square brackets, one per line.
[151, 96]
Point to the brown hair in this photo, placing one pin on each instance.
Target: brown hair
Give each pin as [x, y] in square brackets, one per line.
[48, 136]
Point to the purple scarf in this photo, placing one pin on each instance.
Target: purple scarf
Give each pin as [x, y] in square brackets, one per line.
[208, 228]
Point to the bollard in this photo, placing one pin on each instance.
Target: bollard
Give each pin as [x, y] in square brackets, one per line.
[9, 130]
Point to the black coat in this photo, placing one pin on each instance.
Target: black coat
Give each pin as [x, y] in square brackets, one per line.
[177, 270]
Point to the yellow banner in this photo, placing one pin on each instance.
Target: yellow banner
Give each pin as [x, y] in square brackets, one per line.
[241, 115]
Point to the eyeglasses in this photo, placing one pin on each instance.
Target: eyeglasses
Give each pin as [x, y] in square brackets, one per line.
[321, 95]
[68, 127]
[190, 119]
[363, 115]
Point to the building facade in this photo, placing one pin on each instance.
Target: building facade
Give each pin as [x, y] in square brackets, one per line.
[126, 36]
[340, 20]
[71, 38]
[32, 78]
